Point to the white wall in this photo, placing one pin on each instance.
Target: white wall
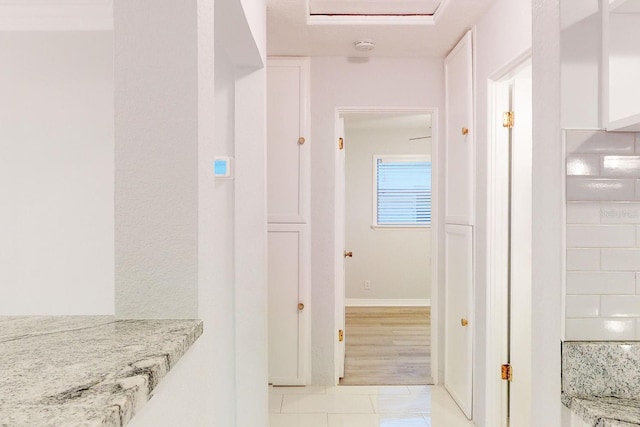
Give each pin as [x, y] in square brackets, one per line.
[156, 159]
[501, 35]
[338, 82]
[56, 173]
[222, 380]
[396, 261]
[547, 230]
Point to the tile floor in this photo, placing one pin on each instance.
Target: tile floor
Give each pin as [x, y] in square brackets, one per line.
[364, 406]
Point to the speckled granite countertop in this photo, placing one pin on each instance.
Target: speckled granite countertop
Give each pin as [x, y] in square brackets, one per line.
[605, 411]
[601, 382]
[84, 371]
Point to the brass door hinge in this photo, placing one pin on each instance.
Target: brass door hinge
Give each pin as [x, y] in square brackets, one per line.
[340, 335]
[340, 143]
[507, 119]
[507, 372]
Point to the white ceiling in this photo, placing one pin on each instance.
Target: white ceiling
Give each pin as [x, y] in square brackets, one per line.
[292, 32]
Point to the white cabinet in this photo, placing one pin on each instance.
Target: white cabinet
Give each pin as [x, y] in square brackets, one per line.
[458, 314]
[621, 58]
[459, 203]
[459, 150]
[288, 187]
[288, 141]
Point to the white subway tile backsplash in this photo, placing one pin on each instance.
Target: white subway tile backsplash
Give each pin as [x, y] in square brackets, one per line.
[621, 166]
[600, 283]
[583, 164]
[593, 141]
[595, 189]
[620, 213]
[620, 305]
[583, 305]
[601, 236]
[583, 213]
[620, 259]
[583, 259]
[600, 329]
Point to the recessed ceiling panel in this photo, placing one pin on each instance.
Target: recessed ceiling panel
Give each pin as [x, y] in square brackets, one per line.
[373, 7]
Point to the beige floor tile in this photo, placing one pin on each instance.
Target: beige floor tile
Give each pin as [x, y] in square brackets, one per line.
[411, 404]
[369, 420]
[297, 390]
[298, 420]
[327, 403]
[369, 389]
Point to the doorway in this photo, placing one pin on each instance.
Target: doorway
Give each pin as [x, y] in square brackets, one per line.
[384, 244]
[509, 246]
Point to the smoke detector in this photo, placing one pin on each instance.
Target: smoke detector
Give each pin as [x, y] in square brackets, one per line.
[364, 45]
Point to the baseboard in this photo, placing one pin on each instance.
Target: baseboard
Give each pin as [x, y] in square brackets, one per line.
[379, 302]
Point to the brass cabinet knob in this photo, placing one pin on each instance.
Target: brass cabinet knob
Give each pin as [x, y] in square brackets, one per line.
[348, 254]
[465, 131]
[300, 306]
[464, 322]
[301, 140]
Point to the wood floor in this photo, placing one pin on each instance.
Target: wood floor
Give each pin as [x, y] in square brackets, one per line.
[388, 346]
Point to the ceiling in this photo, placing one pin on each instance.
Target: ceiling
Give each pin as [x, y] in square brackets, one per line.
[291, 31]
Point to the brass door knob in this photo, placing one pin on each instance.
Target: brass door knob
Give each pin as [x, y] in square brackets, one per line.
[300, 306]
[464, 322]
[348, 254]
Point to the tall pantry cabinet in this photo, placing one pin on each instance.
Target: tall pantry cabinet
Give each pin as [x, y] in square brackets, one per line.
[288, 208]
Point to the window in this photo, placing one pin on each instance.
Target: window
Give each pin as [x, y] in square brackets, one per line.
[402, 191]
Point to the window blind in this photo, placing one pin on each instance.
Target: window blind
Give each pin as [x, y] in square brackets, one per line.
[403, 192]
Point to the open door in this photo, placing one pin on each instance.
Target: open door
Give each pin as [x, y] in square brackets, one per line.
[340, 248]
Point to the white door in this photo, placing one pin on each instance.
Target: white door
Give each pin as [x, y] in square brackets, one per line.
[459, 206]
[458, 314]
[287, 141]
[287, 310]
[520, 280]
[340, 248]
[459, 150]
[288, 187]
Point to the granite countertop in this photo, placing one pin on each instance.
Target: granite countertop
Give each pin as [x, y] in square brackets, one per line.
[605, 411]
[73, 371]
[601, 382]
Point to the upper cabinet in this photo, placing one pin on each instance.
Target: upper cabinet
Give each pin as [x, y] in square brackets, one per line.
[621, 71]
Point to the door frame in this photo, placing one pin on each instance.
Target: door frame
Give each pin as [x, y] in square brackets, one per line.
[436, 315]
[498, 160]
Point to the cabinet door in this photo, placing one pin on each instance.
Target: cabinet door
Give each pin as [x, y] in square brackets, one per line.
[287, 141]
[287, 317]
[459, 149]
[458, 314]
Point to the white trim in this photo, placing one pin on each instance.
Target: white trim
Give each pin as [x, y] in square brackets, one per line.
[380, 302]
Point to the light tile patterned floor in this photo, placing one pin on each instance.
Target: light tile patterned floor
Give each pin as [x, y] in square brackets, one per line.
[364, 406]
